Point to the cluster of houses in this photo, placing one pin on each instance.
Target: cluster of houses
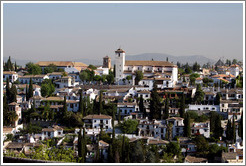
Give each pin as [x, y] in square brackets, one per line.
[127, 92]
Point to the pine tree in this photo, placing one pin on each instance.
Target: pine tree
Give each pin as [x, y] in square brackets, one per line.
[182, 106]
[30, 92]
[166, 110]
[155, 105]
[81, 103]
[187, 129]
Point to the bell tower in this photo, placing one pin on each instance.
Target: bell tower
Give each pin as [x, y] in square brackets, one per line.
[119, 64]
[106, 62]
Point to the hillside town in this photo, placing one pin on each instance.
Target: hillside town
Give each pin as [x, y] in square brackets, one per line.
[123, 111]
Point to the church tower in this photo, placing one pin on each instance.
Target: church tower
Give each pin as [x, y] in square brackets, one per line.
[119, 65]
[106, 62]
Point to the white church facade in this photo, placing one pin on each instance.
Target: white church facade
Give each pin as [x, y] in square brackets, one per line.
[165, 72]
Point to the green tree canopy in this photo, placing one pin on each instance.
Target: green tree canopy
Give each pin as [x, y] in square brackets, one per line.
[33, 68]
[129, 126]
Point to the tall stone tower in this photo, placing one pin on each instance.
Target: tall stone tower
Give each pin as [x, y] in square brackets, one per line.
[106, 62]
[119, 65]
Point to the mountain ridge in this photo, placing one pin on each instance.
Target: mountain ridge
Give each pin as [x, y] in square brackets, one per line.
[190, 59]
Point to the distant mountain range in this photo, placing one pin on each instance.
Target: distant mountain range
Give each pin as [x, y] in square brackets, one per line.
[158, 57]
[146, 56]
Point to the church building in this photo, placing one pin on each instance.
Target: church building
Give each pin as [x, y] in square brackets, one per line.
[152, 70]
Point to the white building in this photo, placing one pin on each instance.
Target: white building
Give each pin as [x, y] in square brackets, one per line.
[149, 68]
[51, 132]
[94, 123]
[234, 70]
[66, 81]
[12, 75]
[16, 107]
[154, 128]
[102, 71]
[126, 109]
[35, 79]
[203, 107]
[178, 126]
[201, 128]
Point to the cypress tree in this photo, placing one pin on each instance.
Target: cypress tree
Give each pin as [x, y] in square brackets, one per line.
[9, 65]
[240, 127]
[110, 154]
[182, 106]
[100, 104]
[228, 130]
[13, 93]
[30, 93]
[155, 105]
[80, 145]
[141, 106]
[123, 157]
[15, 66]
[218, 131]
[81, 103]
[64, 110]
[27, 94]
[233, 131]
[166, 110]
[7, 90]
[119, 116]
[187, 129]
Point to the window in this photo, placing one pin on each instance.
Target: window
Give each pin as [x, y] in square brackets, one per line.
[95, 126]
[101, 121]
[106, 121]
[95, 121]
[146, 95]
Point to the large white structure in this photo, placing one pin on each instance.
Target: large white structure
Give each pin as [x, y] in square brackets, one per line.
[149, 69]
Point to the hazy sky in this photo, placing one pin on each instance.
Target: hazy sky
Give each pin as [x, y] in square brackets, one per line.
[72, 31]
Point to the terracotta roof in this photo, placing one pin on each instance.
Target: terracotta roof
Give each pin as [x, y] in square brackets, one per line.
[234, 65]
[55, 73]
[54, 98]
[193, 159]
[48, 129]
[9, 72]
[148, 63]
[7, 129]
[14, 145]
[229, 156]
[102, 142]
[13, 103]
[61, 63]
[33, 76]
[154, 142]
[168, 79]
[223, 79]
[97, 117]
[144, 92]
[56, 106]
[175, 118]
